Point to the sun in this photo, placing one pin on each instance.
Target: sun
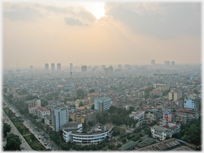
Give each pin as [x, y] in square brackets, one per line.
[96, 8]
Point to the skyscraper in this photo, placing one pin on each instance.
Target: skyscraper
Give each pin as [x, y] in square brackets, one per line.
[31, 67]
[58, 66]
[52, 66]
[153, 62]
[84, 68]
[173, 63]
[71, 65]
[46, 66]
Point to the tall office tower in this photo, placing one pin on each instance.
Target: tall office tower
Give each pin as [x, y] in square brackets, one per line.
[153, 62]
[103, 67]
[102, 103]
[168, 63]
[96, 67]
[58, 66]
[31, 67]
[46, 66]
[173, 63]
[165, 62]
[71, 65]
[110, 69]
[84, 68]
[119, 66]
[60, 116]
[52, 66]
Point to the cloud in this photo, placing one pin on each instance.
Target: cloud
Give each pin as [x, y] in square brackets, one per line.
[87, 16]
[74, 22]
[167, 21]
[76, 17]
[51, 8]
[22, 13]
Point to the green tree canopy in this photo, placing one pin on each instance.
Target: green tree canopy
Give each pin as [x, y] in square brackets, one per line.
[6, 129]
[13, 143]
[80, 93]
[92, 90]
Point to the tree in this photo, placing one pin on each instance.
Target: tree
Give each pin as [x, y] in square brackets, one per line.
[111, 146]
[31, 97]
[80, 93]
[32, 137]
[6, 129]
[92, 107]
[131, 109]
[92, 90]
[124, 140]
[44, 103]
[80, 104]
[13, 143]
[90, 123]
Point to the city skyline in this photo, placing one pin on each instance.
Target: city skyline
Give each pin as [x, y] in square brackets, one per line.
[100, 33]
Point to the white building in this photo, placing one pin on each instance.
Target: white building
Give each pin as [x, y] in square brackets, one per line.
[140, 116]
[33, 103]
[189, 103]
[60, 116]
[160, 132]
[163, 132]
[73, 132]
[39, 111]
[102, 104]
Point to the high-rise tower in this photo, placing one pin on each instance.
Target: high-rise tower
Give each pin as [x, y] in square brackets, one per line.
[71, 65]
[52, 66]
[58, 66]
[46, 66]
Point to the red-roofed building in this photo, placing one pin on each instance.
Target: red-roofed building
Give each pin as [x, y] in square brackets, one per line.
[39, 111]
[156, 93]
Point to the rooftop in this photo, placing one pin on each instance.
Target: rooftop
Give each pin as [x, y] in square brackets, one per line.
[42, 109]
[163, 145]
[160, 128]
[128, 145]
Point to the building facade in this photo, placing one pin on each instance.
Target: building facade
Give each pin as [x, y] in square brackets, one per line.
[102, 104]
[33, 103]
[74, 133]
[175, 95]
[189, 103]
[140, 116]
[60, 116]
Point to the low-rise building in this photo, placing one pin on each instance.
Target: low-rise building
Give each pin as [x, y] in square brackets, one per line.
[84, 116]
[175, 95]
[160, 132]
[140, 116]
[189, 103]
[156, 93]
[33, 103]
[72, 132]
[39, 111]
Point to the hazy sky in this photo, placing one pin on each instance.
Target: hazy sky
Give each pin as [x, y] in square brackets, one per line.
[100, 33]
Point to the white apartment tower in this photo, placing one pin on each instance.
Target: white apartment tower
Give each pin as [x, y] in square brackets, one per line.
[102, 104]
[60, 116]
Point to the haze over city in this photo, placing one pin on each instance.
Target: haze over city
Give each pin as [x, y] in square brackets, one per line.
[100, 33]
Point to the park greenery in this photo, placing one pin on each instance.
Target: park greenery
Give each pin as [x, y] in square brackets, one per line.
[24, 130]
[13, 143]
[6, 129]
[117, 116]
[190, 132]
[80, 94]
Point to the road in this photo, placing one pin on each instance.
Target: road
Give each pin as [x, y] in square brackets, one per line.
[33, 129]
[24, 144]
